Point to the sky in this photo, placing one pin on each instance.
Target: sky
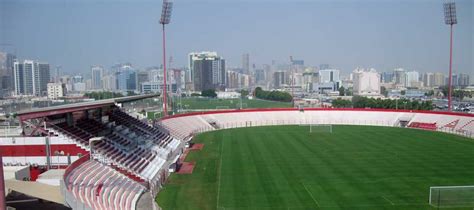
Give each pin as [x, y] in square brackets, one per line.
[383, 34]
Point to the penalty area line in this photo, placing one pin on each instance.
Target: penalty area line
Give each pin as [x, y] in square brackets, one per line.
[310, 194]
[388, 200]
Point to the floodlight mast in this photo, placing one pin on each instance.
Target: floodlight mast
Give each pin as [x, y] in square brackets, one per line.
[292, 80]
[450, 19]
[165, 19]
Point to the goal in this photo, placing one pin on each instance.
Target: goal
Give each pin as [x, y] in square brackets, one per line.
[320, 128]
[452, 196]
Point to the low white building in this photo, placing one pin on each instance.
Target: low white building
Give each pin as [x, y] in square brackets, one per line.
[366, 82]
[56, 90]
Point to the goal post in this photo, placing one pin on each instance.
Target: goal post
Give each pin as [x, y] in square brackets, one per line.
[320, 128]
[452, 196]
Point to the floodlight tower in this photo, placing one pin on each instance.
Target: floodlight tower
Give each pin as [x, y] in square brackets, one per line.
[165, 19]
[292, 79]
[450, 19]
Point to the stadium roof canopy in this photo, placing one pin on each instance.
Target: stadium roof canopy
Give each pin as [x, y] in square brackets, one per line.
[54, 110]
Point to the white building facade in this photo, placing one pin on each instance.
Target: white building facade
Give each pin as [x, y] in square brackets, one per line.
[366, 82]
[56, 90]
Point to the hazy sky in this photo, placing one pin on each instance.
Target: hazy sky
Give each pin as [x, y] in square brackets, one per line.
[383, 34]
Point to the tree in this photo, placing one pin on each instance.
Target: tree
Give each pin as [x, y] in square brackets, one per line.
[244, 93]
[403, 92]
[273, 95]
[341, 103]
[211, 93]
[341, 91]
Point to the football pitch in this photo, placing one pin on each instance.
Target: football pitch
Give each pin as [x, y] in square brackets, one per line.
[287, 167]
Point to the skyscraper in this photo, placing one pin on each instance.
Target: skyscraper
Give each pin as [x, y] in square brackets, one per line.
[428, 79]
[126, 78]
[399, 77]
[208, 71]
[6, 72]
[329, 75]
[412, 79]
[386, 77]
[439, 79]
[246, 63]
[463, 80]
[195, 56]
[19, 78]
[278, 79]
[30, 77]
[44, 77]
[97, 73]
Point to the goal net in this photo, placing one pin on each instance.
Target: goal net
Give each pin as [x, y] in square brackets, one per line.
[452, 196]
[320, 128]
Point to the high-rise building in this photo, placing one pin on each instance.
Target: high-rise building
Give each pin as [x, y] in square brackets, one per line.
[155, 74]
[412, 79]
[30, 77]
[19, 78]
[232, 79]
[439, 80]
[142, 76]
[56, 90]
[57, 73]
[259, 76]
[208, 71]
[399, 75]
[366, 82]
[6, 72]
[428, 79]
[177, 78]
[387, 77]
[126, 78]
[463, 80]
[109, 82]
[246, 63]
[279, 79]
[97, 73]
[329, 75]
[78, 83]
[29, 67]
[44, 76]
[196, 56]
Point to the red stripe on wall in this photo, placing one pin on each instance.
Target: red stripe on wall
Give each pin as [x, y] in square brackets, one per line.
[39, 150]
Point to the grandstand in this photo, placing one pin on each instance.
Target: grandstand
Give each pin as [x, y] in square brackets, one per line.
[187, 125]
[122, 169]
[115, 161]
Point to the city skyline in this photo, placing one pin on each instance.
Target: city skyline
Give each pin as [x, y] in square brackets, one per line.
[82, 37]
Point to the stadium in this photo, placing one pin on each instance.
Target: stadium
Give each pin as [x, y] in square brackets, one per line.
[278, 158]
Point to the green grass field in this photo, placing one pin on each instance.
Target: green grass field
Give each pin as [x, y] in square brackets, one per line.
[206, 103]
[286, 167]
